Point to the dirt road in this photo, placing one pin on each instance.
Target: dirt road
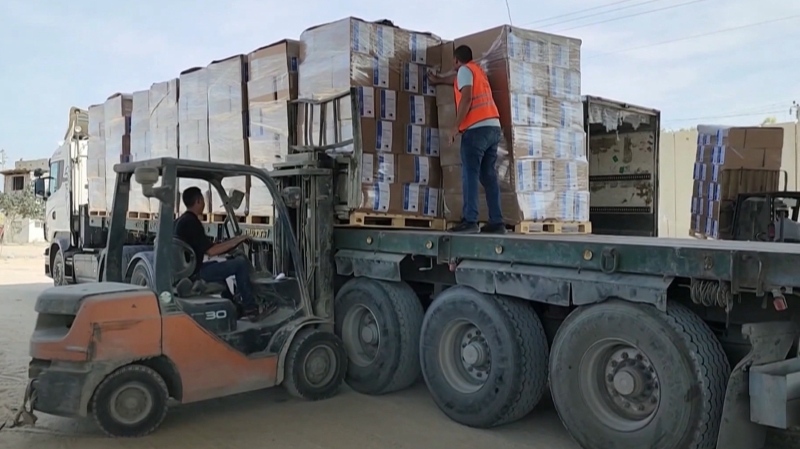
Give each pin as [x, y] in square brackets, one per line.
[269, 418]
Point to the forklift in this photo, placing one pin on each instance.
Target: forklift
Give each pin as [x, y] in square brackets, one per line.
[120, 349]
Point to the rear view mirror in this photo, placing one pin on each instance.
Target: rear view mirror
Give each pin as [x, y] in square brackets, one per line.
[146, 176]
[39, 188]
[235, 198]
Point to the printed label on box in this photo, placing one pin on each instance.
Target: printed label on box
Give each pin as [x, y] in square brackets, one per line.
[411, 198]
[361, 37]
[432, 142]
[410, 77]
[534, 140]
[380, 72]
[367, 168]
[417, 108]
[381, 193]
[384, 41]
[428, 88]
[383, 134]
[559, 54]
[388, 100]
[422, 170]
[418, 44]
[366, 101]
[414, 139]
[430, 206]
[386, 168]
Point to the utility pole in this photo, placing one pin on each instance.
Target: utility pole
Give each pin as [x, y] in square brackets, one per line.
[2, 159]
[793, 110]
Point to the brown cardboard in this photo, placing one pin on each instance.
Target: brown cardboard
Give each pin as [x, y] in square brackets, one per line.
[452, 181]
[417, 109]
[414, 79]
[227, 86]
[273, 72]
[400, 169]
[407, 199]
[454, 204]
[384, 136]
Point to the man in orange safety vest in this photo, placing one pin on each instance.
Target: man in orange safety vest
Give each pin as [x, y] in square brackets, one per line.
[478, 122]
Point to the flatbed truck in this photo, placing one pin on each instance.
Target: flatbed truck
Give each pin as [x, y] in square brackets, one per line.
[642, 341]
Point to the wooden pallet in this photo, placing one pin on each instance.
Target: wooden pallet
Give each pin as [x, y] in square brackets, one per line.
[697, 235]
[221, 218]
[373, 220]
[260, 219]
[554, 227]
[98, 213]
[141, 215]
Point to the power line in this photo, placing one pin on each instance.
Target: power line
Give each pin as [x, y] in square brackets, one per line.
[601, 13]
[712, 117]
[641, 13]
[696, 36]
[548, 19]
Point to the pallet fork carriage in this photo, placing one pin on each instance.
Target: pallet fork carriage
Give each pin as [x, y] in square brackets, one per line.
[644, 342]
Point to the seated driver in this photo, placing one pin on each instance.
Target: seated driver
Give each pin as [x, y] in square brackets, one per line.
[190, 230]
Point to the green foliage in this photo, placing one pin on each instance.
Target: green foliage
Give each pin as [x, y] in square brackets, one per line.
[20, 205]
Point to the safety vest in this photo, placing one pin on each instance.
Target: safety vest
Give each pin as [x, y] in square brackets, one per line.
[482, 106]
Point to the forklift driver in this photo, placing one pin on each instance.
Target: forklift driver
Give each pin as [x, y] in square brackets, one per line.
[189, 229]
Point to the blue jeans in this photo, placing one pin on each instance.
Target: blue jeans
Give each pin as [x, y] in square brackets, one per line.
[478, 160]
[219, 272]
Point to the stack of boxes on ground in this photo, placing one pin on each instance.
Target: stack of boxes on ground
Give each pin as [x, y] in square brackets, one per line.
[731, 161]
[542, 165]
[399, 168]
[235, 111]
[109, 144]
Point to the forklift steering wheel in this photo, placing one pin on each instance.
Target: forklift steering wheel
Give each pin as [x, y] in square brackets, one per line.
[184, 260]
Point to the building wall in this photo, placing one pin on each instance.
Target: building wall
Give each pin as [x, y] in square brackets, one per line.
[676, 165]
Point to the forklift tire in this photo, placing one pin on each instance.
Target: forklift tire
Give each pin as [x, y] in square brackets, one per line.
[379, 323]
[57, 269]
[131, 402]
[484, 358]
[627, 375]
[315, 365]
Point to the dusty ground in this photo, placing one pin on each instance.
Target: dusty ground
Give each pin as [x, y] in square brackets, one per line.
[408, 419]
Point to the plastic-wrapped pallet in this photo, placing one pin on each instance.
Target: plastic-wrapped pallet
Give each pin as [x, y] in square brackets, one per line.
[117, 121]
[140, 146]
[193, 125]
[731, 161]
[397, 106]
[542, 164]
[96, 160]
[227, 106]
[163, 127]
[272, 82]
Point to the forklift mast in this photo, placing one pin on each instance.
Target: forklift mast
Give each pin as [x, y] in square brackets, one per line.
[306, 180]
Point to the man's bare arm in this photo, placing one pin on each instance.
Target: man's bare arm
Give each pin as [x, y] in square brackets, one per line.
[226, 246]
[438, 79]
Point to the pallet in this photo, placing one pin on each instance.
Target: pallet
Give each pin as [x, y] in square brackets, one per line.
[98, 213]
[554, 227]
[221, 218]
[260, 219]
[373, 220]
[697, 235]
[141, 215]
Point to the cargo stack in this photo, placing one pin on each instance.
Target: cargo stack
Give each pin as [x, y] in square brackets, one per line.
[731, 161]
[193, 126]
[272, 82]
[399, 168]
[227, 106]
[96, 161]
[542, 165]
[138, 205]
[117, 121]
[163, 127]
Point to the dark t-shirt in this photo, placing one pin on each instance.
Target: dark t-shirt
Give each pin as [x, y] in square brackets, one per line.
[189, 229]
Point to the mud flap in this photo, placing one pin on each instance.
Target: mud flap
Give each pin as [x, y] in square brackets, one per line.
[25, 416]
[769, 342]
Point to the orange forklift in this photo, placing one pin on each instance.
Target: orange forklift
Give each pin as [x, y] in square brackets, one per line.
[120, 349]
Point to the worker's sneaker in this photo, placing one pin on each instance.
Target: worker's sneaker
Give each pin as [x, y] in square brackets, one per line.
[465, 228]
[257, 314]
[498, 228]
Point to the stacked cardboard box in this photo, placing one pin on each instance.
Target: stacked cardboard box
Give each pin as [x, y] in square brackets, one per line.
[227, 118]
[731, 161]
[96, 159]
[542, 165]
[397, 108]
[272, 82]
[117, 122]
[163, 127]
[140, 146]
[193, 124]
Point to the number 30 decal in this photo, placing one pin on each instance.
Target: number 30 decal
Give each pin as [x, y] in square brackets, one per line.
[217, 315]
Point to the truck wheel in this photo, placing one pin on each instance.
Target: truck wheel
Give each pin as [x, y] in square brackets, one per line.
[130, 402]
[484, 358]
[315, 365]
[629, 376]
[57, 269]
[140, 276]
[379, 323]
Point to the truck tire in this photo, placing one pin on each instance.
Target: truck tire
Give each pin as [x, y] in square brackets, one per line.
[57, 269]
[484, 358]
[131, 402]
[627, 375]
[379, 323]
[315, 365]
[140, 275]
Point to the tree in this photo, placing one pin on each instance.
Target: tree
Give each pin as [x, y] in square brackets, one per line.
[17, 206]
[769, 121]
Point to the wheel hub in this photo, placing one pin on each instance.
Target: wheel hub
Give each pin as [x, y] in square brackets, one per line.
[361, 335]
[620, 385]
[130, 404]
[319, 366]
[465, 356]
[369, 334]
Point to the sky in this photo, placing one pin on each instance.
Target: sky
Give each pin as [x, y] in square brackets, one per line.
[698, 61]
